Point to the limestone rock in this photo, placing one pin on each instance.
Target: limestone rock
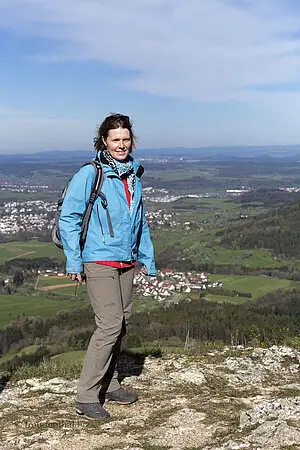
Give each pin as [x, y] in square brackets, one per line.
[231, 399]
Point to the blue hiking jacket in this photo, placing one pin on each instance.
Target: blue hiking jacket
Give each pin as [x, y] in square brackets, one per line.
[131, 239]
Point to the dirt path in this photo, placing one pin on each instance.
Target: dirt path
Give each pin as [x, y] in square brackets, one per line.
[20, 256]
[55, 286]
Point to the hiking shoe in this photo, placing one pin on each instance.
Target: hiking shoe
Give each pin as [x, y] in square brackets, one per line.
[121, 396]
[92, 411]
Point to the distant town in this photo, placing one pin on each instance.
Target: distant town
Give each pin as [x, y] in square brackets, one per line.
[169, 281]
[38, 215]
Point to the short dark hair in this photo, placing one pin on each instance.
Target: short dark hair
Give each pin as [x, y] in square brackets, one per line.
[111, 122]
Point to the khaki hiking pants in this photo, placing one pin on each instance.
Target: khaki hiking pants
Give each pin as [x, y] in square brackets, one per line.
[109, 291]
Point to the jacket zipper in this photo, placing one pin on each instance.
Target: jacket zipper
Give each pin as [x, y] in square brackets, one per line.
[100, 223]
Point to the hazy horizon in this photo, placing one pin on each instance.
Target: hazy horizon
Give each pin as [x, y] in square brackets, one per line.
[247, 150]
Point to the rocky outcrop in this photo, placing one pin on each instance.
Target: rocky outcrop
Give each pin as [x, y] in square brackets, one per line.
[230, 399]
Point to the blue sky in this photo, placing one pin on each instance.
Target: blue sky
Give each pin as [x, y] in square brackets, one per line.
[189, 73]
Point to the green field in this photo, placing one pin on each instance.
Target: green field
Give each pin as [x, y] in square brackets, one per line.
[247, 258]
[70, 291]
[9, 196]
[31, 249]
[203, 246]
[184, 174]
[256, 285]
[13, 306]
[25, 351]
[226, 299]
[53, 281]
[69, 356]
[139, 304]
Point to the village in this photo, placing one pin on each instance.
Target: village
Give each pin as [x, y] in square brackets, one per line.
[24, 186]
[30, 215]
[169, 282]
[166, 287]
[38, 215]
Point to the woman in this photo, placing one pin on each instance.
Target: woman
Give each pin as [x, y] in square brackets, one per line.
[108, 258]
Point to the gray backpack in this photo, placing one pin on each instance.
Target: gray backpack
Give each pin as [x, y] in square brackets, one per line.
[95, 192]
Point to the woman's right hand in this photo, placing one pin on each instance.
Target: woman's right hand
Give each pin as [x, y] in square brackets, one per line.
[75, 277]
[144, 270]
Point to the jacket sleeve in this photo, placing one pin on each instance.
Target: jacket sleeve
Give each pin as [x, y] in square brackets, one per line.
[72, 212]
[145, 250]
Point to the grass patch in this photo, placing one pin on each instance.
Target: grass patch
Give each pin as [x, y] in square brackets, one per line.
[288, 392]
[220, 388]
[144, 304]
[225, 299]
[256, 285]
[47, 370]
[159, 417]
[67, 357]
[247, 258]
[71, 291]
[9, 196]
[53, 281]
[25, 351]
[31, 249]
[202, 246]
[69, 364]
[13, 306]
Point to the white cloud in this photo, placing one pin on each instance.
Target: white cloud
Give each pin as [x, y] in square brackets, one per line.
[210, 50]
[9, 112]
[207, 51]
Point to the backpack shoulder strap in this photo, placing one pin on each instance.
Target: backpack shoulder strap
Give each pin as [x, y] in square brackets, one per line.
[98, 182]
[140, 171]
[99, 178]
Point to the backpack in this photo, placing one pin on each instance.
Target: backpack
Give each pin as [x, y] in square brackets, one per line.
[95, 192]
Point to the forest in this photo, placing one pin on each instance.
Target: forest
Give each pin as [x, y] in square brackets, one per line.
[278, 230]
[273, 319]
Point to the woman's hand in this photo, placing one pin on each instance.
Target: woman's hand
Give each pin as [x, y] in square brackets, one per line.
[75, 277]
[144, 270]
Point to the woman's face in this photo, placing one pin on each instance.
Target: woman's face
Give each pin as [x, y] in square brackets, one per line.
[118, 143]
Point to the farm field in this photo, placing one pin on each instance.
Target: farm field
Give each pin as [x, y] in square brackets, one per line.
[53, 281]
[13, 306]
[69, 356]
[226, 299]
[248, 258]
[71, 291]
[139, 304]
[262, 259]
[256, 285]
[60, 285]
[180, 175]
[27, 196]
[31, 249]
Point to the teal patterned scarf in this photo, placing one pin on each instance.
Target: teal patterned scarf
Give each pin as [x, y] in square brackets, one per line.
[121, 169]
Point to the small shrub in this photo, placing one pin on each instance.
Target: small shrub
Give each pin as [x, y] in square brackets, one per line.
[132, 341]
[294, 341]
[48, 370]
